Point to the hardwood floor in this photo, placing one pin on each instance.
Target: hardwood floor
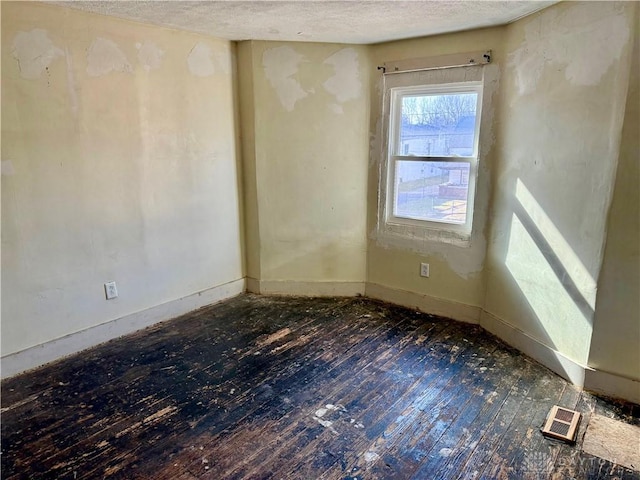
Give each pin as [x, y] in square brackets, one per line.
[297, 388]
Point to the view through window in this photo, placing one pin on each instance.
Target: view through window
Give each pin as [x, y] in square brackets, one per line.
[433, 153]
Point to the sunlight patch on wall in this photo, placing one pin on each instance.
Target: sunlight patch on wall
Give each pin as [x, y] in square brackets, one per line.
[550, 276]
[572, 265]
[558, 315]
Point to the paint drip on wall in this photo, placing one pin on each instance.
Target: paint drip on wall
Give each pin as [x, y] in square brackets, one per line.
[34, 52]
[104, 56]
[149, 55]
[280, 65]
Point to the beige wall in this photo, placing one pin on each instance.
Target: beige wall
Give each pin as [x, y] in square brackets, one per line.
[118, 163]
[305, 149]
[563, 96]
[456, 272]
[615, 347]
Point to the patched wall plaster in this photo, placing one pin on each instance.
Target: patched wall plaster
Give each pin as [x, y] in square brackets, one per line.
[34, 52]
[557, 40]
[345, 84]
[200, 60]
[149, 55]
[280, 67]
[104, 56]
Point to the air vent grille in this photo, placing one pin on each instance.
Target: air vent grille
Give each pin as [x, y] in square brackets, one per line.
[562, 424]
[565, 415]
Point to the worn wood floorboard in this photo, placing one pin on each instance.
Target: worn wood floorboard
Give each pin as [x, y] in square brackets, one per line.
[262, 387]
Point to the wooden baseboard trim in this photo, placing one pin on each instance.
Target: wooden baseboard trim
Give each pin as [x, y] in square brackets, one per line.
[424, 303]
[306, 289]
[552, 359]
[32, 357]
[612, 385]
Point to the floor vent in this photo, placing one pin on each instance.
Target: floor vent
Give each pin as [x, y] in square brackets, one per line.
[562, 424]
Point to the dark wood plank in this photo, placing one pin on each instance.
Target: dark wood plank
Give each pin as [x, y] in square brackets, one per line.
[287, 387]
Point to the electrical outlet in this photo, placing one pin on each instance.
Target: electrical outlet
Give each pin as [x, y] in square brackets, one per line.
[424, 270]
[110, 290]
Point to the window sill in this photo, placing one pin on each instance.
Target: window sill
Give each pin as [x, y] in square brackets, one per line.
[419, 237]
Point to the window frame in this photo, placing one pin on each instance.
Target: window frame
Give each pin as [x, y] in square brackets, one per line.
[393, 102]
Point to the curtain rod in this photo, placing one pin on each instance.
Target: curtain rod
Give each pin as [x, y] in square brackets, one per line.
[435, 63]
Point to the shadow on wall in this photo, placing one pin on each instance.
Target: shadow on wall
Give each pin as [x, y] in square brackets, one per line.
[547, 284]
[559, 256]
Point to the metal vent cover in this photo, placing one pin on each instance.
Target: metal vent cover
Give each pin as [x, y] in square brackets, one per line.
[562, 424]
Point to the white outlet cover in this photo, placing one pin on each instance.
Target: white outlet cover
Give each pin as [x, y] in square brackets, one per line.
[424, 270]
[110, 290]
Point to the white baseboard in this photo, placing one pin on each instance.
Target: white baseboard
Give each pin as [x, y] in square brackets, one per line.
[547, 356]
[580, 375]
[612, 385]
[38, 355]
[425, 303]
[253, 285]
[306, 289]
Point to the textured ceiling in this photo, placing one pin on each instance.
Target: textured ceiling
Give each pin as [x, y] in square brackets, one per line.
[345, 21]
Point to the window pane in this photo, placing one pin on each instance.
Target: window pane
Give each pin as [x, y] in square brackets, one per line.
[438, 125]
[434, 191]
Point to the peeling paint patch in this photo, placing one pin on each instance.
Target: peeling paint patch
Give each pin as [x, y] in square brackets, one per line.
[34, 52]
[104, 56]
[326, 424]
[149, 55]
[329, 407]
[200, 60]
[445, 452]
[585, 42]
[371, 456]
[280, 64]
[345, 83]
[320, 412]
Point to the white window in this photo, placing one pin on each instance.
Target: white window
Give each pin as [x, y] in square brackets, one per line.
[432, 157]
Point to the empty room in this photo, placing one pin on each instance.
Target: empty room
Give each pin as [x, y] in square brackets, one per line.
[320, 240]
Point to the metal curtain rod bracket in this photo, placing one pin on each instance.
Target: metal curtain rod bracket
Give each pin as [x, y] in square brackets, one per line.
[435, 63]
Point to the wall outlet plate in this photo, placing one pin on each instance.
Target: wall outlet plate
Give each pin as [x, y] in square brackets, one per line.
[110, 290]
[424, 270]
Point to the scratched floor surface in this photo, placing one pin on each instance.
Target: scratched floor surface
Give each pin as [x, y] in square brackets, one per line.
[296, 388]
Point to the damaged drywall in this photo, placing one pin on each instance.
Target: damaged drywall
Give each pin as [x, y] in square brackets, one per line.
[204, 61]
[200, 60]
[345, 83]
[34, 52]
[104, 56]
[584, 43]
[149, 55]
[302, 150]
[280, 66]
